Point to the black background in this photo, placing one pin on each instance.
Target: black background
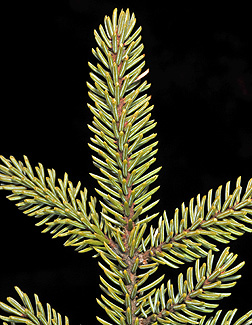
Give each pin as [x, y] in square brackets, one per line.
[200, 69]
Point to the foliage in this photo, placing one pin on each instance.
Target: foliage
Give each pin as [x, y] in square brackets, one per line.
[130, 249]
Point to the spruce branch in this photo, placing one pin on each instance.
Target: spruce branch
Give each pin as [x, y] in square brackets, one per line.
[61, 211]
[130, 250]
[227, 319]
[24, 313]
[182, 238]
[121, 120]
[194, 291]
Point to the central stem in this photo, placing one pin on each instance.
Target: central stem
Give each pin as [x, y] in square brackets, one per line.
[128, 212]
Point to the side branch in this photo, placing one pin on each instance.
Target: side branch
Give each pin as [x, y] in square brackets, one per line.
[175, 241]
[60, 209]
[25, 313]
[192, 299]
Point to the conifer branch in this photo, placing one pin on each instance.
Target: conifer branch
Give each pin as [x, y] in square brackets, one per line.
[129, 250]
[182, 238]
[121, 120]
[227, 319]
[194, 291]
[25, 313]
[61, 211]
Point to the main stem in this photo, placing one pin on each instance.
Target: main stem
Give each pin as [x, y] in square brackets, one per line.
[128, 215]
